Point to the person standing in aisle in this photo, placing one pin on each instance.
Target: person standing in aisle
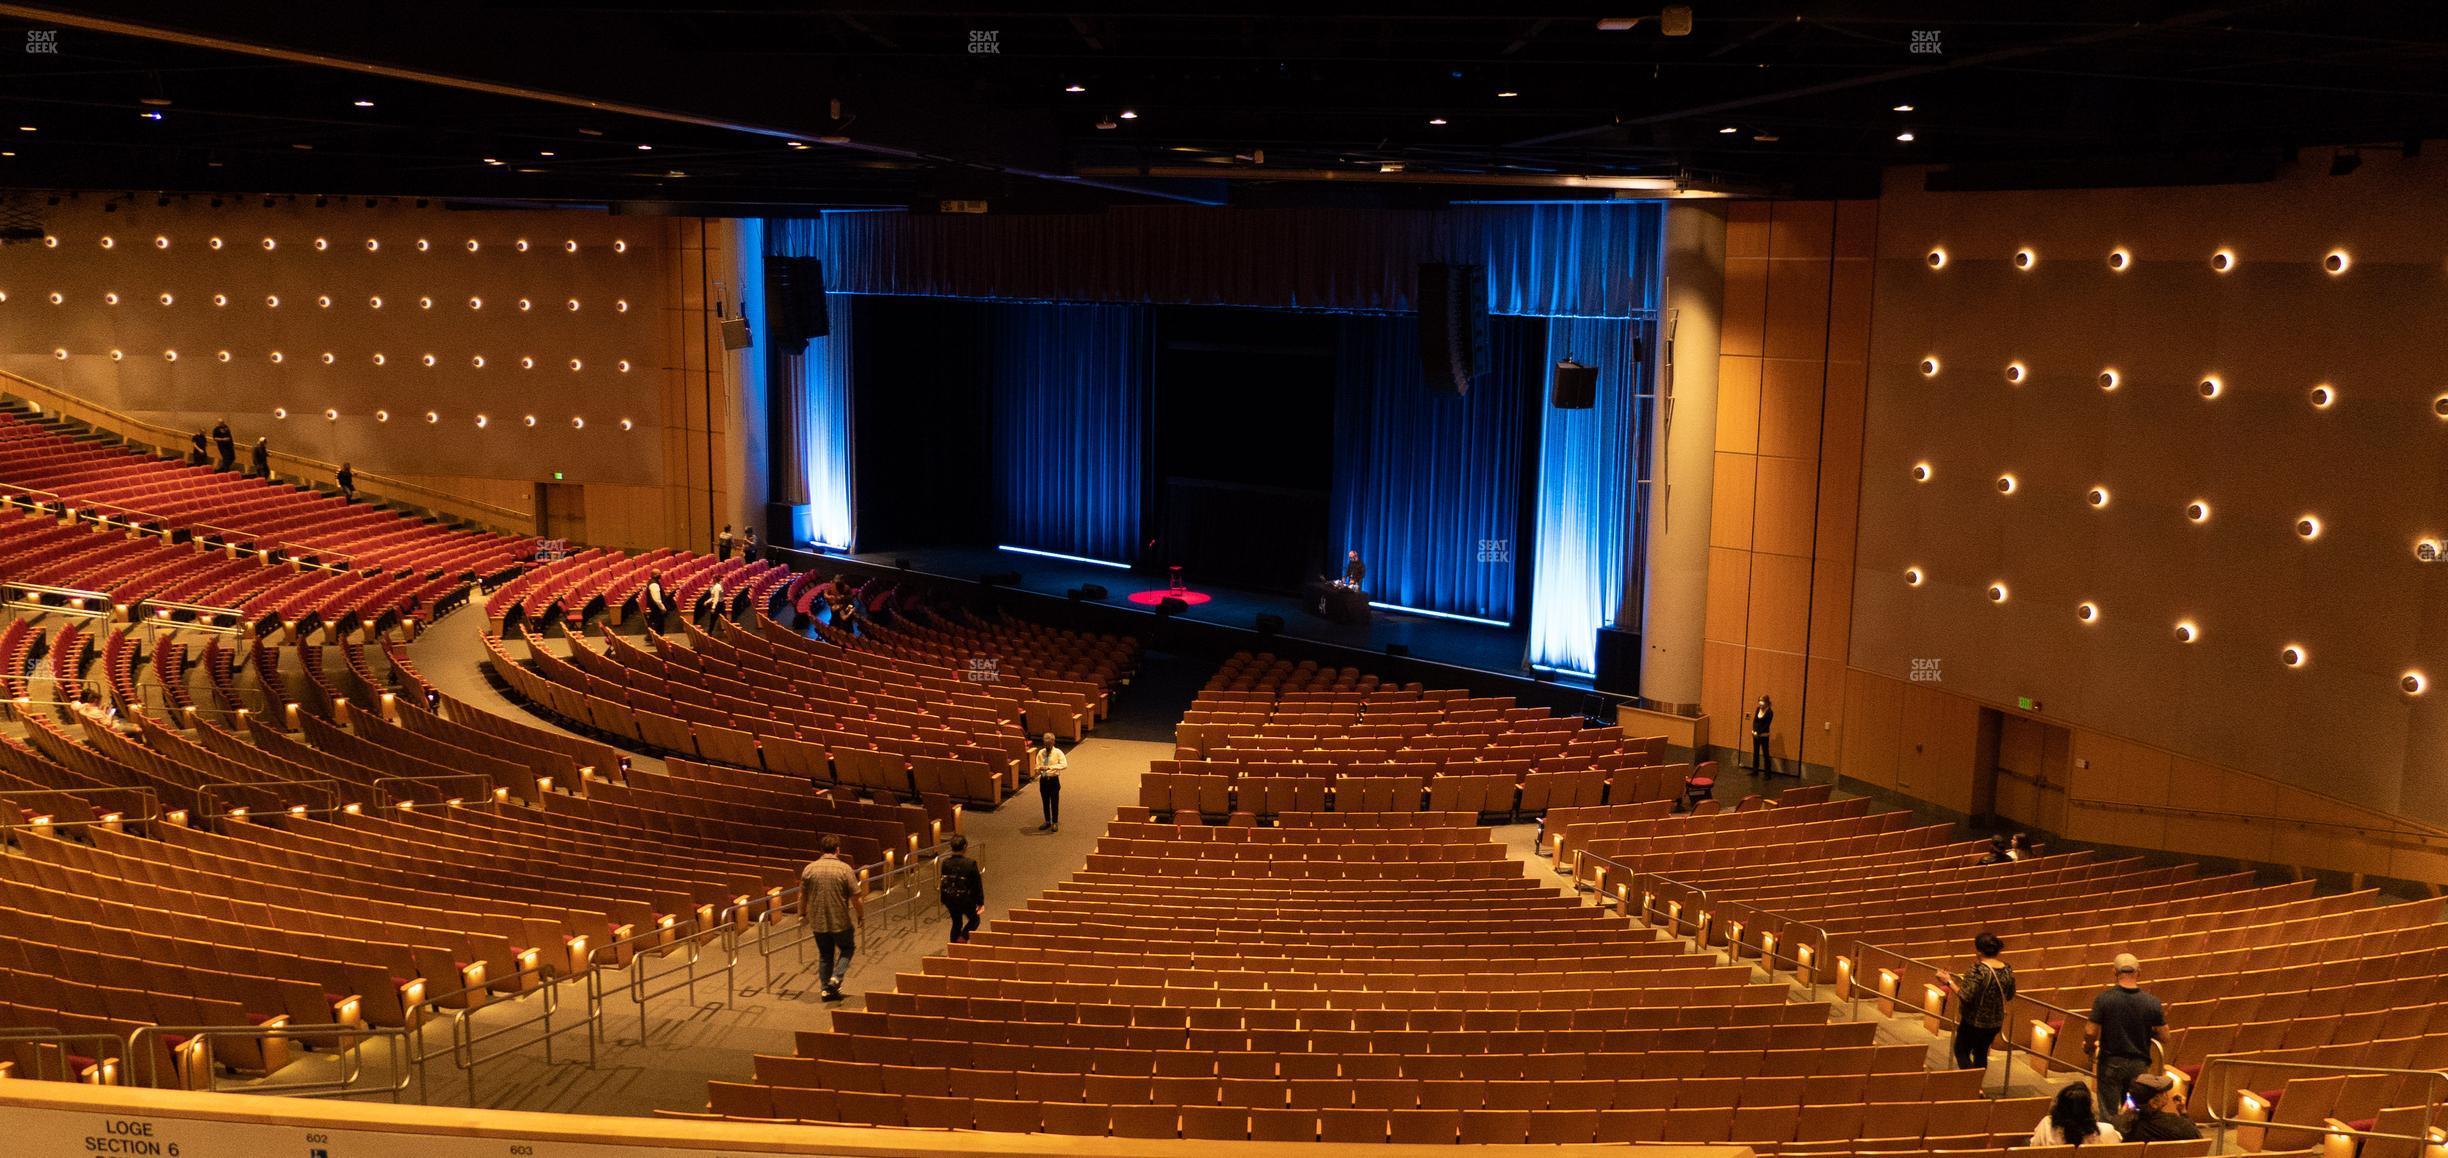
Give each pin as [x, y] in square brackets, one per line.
[723, 544]
[262, 459]
[225, 444]
[830, 903]
[347, 480]
[963, 890]
[1760, 720]
[1049, 762]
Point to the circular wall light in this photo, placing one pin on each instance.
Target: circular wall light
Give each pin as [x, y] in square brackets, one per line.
[2087, 611]
[622, 365]
[432, 417]
[2098, 496]
[1937, 259]
[323, 301]
[379, 359]
[212, 243]
[2025, 258]
[321, 244]
[2412, 683]
[2186, 632]
[272, 301]
[526, 362]
[477, 361]
[2429, 551]
[2211, 386]
[482, 422]
[107, 243]
[2323, 397]
[110, 299]
[57, 297]
[427, 359]
[1997, 593]
[221, 355]
[474, 245]
[525, 305]
[331, 415]
[577, 423]
[530, 420]
[2336, 262]
[2198, 511]
[373, 245]
[620, 306]
[2292, 655]
[1929, 367]
[2223, 261]
[475, 303]
[161, 242]
[423, 245]
[329, 357]
[628, 425]
[576, 365]
[165, 299]
[2308, 527]
[270, 244]
[117, 355]
[569, 247]
[2439, 405]
[424, 303]
[2006, 484]
[2014, 371]
[1921, 472]
[60, 352]
[382, 416]
[619, 246]
[169, 355]
[280, 412]
[573, 305]
[520, 245]
[278, 357]
[374, 303]
[1912, 576]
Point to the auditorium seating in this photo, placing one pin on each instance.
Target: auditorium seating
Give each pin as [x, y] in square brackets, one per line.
[48, 467]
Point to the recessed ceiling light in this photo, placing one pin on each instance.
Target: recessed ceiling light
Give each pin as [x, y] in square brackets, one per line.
[1728, 129]
[1436, 120]
[1129, 114]
[645, 148]
[363, 104]
[1507, 94]
[25, 128]
[590, 132]
[1107, 123]
[1902, 109]
[1905, 136]
[1765, 138]
[1075, 88]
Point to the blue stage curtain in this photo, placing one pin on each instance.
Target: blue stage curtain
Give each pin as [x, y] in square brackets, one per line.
[1585, 501]
[1569, 260]
[1070, 385]
[818, 380]
[1427, 486]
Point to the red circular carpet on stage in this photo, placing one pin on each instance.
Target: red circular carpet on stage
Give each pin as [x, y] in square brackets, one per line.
[1154, 596]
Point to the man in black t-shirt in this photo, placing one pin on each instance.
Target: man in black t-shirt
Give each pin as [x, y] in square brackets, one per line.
[2125, 1022]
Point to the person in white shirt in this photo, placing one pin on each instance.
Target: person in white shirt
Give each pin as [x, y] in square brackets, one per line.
[2074, 1121]
[1050, 762]
[658, 602]
[715, 603]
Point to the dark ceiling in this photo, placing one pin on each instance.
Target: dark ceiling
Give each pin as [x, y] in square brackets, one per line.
[749, 110]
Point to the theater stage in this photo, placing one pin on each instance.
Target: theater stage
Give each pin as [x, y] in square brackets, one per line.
[1476, 654]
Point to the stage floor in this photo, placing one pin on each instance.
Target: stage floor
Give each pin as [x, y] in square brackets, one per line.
[1476, 647]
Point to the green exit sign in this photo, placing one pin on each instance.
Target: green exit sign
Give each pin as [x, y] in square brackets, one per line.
[2024, 702]
[556, 476]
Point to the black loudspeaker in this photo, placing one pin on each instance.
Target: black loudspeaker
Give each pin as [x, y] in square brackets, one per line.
[1453, 326]
[1619, 660]
[1270, 624]
[1171, 606]
[1092, 591]
[1073, 594]
[999, 579]
[735, 335]
[1398, 650]
[1576, 386]
[795, 301]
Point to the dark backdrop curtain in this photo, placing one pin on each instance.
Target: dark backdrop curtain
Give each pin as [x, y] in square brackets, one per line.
[1070, 405]
[1427, 485]
[918, 387]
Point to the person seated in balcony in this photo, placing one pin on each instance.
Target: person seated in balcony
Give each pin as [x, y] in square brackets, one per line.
[2073, 1121]
[2158, 1112]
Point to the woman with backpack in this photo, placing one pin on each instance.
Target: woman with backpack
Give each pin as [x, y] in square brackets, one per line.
[963, 890]
[1981, 994]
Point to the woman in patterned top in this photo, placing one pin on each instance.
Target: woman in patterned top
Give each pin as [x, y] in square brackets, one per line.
[1981, 995]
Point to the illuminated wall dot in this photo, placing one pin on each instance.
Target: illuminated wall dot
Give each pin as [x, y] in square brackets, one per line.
[2336, 262]
[161, 242]
[323, 301]
[521, 245]
[1912, 576]
[116, 355]
[575, 364]
[221, 355]
[482, 422]
[165, 299]
[212, 243]
[373, 245]
[2413, 683]
[573, 305]
[57, 297]
[2098, 496]
[2186, 632]
[382, 416]
[2198, 510]
[477, 361]
[427, 359]
[2006, 484]
[1921, 472]
[475, 303]
[620, 306]
[527, 363]
[107, 243]
[329, 357]
[322, 244]
[577, 423]
[525, 305]
[2439, 405]
[2025, 259]
[423, 246]
[50, 243]
[2323, 397]
[623, 365]
[2308, 527]
[424, 303]
[1929, 367]
[331, 415]
[374, 303]
[2014, 371]
[272, 301]
[2087, 612]
[1997, 593]
[2223, 261]
[628, 425]
[432, 417]
[169, 355]
[2429, 550]
[220, 299]
[379, 359]
[474, 245]
[2292, 655]
[110, 299]
[569, 246]
[620, 246]
[281, 412]
[2211, 386]
[530, 420]
[1937, 259]
[60, 353]
[268, 243]
[278, 357]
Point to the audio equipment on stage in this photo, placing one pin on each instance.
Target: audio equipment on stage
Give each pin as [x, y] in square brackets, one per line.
[999, 579]
[1453, 325]
[1270, 624]
[1171, 606]
[1092, 591]
[1576, 386]
[795, 299]
[735, 335]
[1619, 661]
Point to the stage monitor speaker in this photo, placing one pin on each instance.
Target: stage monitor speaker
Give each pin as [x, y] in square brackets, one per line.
[1619, 661]
[795, 301]
[1576, 386]
[1270, 625]
[999, 579]
[735, 335]
[1171, 606]
[1453, 325]
[1074, 594]
[1398, 650]
[1093, 591]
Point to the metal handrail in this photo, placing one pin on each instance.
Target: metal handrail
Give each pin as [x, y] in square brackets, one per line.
[206, 616]
[483, 783]
[880, 913]
[208, 793]
[2435, 1089]
[71, 505]
[80, 596]
[200, 1038]
[1851, 989]
[2412, 837]
[150, 812]
[40, 1035]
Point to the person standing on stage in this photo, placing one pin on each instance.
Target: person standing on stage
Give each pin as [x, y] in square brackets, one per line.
[1050, 763]
[1353, 569]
